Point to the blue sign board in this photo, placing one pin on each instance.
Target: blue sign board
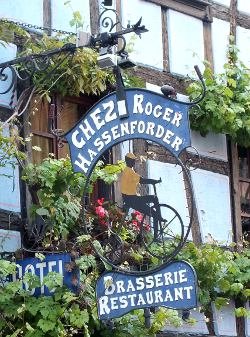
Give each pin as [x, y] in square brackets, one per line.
[151, 116]
[51, 263]
[172, 286]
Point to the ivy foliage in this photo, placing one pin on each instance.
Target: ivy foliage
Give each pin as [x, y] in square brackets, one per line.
[59, 190]
[222, 274]
[226, 106]
[65, 313]
[26, 315]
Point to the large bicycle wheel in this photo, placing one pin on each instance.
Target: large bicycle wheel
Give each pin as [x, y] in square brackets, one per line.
[166, 236]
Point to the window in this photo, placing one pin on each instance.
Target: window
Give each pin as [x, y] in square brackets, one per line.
[60, 115]
[244, 189]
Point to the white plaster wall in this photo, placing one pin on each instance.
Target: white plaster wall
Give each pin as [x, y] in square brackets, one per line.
[154, 88]
[10, 241]
[186, 43]
[147, 50]
[224, 320]
[126, 147]
[212, 195]
[171, 190]
[9, 188]
[213, 145]
[7, 53]
[244, 6]
[220, 35]
[23, 10]
[243, 41]
[224, 2]
[62, 14]
[199, 327]
[157, 88]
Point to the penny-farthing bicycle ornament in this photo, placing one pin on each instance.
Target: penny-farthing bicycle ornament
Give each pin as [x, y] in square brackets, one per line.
[146, 115]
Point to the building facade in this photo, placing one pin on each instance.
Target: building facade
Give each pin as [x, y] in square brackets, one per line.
[182, 33]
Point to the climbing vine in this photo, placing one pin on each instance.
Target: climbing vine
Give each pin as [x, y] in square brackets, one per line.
[226, 106]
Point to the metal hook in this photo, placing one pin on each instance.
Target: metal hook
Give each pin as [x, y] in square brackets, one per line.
[167, 91]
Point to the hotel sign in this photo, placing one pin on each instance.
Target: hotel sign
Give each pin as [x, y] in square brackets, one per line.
[51, 263]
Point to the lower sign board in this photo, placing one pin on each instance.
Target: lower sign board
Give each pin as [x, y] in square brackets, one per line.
[172, 286]
[51, 263]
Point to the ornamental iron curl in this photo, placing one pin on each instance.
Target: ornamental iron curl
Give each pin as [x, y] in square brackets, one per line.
[107, 22]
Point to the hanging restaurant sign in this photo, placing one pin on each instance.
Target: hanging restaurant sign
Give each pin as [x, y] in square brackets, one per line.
[151, 116]
[146, 115]
[172, 286]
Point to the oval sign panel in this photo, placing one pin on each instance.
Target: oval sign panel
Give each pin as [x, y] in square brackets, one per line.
[151, 116]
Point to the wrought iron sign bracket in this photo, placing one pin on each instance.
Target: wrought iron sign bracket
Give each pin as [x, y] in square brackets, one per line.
[25, 67]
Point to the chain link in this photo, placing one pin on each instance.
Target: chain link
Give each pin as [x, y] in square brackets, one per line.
[30, 26]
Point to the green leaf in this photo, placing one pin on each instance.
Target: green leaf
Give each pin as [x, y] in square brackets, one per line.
[46, 325]
[224, 285]
[78, 318]
[40, 256]
[42, 211]
[221, 302]
[236, 287]
[29, 327]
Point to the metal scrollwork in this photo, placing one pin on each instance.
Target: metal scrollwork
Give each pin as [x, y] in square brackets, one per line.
[193, 159]
[4, 77]
[109, 20]
[106, 21]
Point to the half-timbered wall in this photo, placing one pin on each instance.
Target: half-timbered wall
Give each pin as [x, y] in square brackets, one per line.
[182, 33]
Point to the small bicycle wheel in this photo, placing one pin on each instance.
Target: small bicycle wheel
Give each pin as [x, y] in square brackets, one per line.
[112, 247]
[166, 236]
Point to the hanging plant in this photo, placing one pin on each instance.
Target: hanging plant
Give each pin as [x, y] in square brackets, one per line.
[76, 74]
[226, 106]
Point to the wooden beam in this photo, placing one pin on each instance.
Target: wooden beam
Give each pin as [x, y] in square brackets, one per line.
[165, 40]
[233, 17]
[47, 18]
[195, 224]
[235, 192]
[243, 20]
[94, 15]
[220, 12]
[208, 46]
[195, 8]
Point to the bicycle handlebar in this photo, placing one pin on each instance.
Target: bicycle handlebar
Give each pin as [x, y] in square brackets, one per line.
[156, 182]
